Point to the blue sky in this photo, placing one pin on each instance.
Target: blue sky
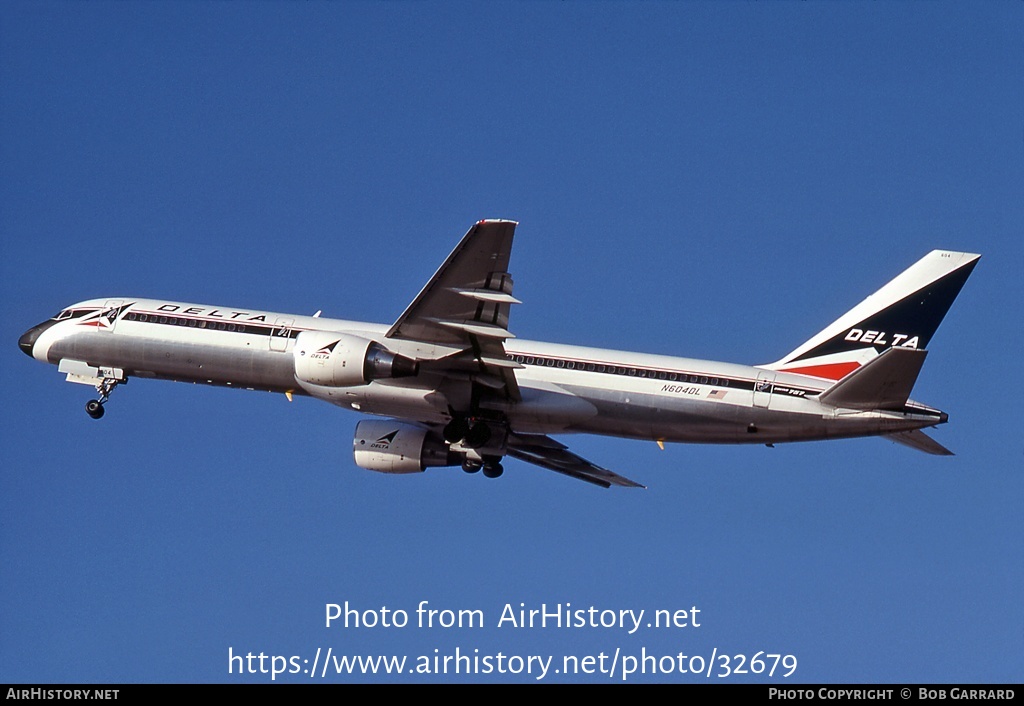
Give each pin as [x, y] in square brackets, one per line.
[714, 180]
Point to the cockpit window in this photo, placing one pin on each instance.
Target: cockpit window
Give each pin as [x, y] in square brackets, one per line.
[64, 314]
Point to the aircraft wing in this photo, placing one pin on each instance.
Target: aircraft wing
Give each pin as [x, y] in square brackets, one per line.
[466, 305]
[547, 453]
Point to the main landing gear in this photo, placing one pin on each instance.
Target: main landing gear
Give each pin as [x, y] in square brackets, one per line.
[491, 466]
[94, 408]
[473, 435]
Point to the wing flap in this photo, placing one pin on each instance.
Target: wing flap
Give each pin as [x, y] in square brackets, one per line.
[474, 329]
[488, 295]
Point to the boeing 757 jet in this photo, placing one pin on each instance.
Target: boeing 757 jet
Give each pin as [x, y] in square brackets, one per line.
[450, 385]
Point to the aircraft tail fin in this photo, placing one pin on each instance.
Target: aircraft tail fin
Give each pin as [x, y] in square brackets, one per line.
[917, 439]
[884, 382]
[904, 314]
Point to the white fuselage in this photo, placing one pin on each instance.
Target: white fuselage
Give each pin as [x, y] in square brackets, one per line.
[563, 388]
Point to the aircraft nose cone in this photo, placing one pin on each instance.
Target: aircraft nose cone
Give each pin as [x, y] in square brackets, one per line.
[28, 340]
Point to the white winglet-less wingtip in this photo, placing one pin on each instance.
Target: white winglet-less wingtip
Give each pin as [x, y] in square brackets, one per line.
[452, 386]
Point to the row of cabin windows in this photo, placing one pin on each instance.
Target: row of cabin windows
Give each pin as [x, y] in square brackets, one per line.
[191, 323]
[618, 370]
[524, 359]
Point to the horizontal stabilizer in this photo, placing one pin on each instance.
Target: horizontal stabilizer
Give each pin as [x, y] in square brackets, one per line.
[917, 439]
[883, 383]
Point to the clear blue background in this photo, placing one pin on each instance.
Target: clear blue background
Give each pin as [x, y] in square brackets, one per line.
[715, 180]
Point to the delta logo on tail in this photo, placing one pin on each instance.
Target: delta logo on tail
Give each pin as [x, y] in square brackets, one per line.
[905, 313]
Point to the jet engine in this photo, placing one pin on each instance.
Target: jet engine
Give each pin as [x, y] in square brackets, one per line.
[395, 447]
[342, 360]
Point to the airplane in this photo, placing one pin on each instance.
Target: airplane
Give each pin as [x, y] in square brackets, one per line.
[449, 384]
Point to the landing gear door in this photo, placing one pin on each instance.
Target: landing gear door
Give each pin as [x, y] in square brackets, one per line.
[281, 334]
[763, 388]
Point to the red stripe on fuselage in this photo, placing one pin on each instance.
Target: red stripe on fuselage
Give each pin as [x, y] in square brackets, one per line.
[831, 371]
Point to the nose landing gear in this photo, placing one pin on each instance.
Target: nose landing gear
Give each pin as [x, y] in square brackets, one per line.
[94, 408]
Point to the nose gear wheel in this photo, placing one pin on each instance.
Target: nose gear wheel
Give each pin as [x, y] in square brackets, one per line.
[94, 408]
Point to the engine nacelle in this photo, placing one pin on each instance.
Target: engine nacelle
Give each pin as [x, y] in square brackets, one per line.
[342, 360]
[395, 447]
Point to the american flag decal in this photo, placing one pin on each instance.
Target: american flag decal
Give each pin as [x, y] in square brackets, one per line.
[716, 394]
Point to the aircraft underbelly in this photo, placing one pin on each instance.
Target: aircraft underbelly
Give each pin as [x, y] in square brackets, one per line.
[646, 416]
[241, 366]
[649, 416]
[549, 409]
